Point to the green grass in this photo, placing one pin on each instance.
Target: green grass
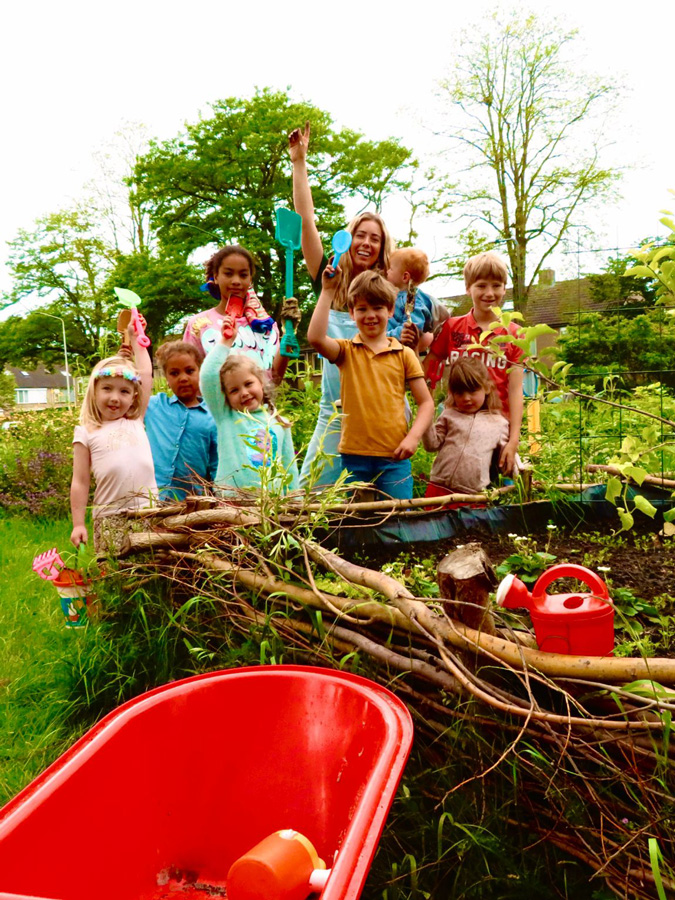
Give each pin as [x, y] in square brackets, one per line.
[37, 655]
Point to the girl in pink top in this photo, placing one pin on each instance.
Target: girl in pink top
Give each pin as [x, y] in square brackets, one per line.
[111, 442]
[467, 432]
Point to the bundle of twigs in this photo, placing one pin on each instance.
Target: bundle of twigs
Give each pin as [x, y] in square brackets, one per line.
[595, 756]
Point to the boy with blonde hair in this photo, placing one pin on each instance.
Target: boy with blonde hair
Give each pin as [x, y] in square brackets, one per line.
[376, 445]
[485, 277]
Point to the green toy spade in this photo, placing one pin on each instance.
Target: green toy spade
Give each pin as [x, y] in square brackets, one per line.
[129, 301]
[289, 233]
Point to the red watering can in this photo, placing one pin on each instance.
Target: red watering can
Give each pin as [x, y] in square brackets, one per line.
[580, 624]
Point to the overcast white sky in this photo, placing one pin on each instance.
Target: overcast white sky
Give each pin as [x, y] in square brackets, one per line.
[73, 72]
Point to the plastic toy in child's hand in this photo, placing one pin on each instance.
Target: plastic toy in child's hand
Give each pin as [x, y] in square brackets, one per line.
[410, 300]
[48, 564]
[130, 315]
[291, 315]
[342, 241]
[259, 326]
[228, 327]
[234, 310]
[410, 335]
[435, 372]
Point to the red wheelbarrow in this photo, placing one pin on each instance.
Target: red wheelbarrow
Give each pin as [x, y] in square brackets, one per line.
[190, 776]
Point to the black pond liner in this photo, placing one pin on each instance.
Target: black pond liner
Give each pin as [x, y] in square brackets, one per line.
[588, 509]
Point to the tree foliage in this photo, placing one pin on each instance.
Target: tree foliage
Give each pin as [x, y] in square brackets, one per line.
[221, 180]
[655, 261]
[7, 391]
[65, 261]
[643, 344]
[521, 115]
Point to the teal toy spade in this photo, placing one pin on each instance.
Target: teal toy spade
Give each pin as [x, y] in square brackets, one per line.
[289, 234]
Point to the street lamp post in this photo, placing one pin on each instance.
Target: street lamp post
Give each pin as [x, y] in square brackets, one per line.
[65, 348]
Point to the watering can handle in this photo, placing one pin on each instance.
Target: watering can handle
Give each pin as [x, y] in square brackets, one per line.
[570, 570]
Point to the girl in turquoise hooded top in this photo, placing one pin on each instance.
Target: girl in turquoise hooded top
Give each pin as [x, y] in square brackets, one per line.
[254, 442]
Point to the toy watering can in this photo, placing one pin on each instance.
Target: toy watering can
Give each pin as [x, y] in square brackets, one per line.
[578, 624]
[283, 866]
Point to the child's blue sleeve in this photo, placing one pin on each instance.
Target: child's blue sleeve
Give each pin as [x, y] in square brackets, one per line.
[421, 314]
[209, 381]
[212, 467]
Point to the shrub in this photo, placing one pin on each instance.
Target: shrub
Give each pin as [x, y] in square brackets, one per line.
[36, 463]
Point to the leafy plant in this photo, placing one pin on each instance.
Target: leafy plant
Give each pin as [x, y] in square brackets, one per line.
[527, 562]
[36, 463]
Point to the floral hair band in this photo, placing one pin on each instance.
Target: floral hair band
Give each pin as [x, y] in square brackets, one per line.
[118, 372]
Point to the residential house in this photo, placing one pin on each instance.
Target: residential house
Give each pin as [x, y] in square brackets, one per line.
[41, 389]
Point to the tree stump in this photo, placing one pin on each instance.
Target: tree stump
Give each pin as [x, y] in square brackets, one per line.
[465, 579]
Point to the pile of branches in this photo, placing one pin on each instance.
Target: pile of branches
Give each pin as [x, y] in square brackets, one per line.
[591, 737]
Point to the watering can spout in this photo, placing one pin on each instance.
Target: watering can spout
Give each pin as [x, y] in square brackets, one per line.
[512, 593]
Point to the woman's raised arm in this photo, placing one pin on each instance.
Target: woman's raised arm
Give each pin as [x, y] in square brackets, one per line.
[312, 248]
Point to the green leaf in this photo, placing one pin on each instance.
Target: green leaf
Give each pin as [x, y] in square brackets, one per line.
[635, 472]
[536, 330]
[669, 515]
[627, 520]
[645, 506]
[655, 858]
[614, 488]
[644, 687]
[640, 272]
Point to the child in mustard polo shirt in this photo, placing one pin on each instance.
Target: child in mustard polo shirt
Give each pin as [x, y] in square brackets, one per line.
[376, 445]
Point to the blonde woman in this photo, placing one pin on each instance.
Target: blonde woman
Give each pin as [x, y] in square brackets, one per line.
[370, 249]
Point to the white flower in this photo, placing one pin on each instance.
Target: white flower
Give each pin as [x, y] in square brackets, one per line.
[604, 569]
[552, 527]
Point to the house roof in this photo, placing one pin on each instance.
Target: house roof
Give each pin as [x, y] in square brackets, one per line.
[554, 305]
[39, 378]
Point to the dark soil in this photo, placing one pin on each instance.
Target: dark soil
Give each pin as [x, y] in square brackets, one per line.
[643, 563]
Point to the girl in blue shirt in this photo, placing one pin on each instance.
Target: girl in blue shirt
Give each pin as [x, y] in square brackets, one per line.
[181, 430]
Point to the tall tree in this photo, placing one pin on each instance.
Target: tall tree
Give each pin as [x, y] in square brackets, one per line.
[524, 116]
[221, 180]
[64, 261]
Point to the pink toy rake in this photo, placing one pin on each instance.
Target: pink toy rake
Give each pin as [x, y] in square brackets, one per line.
[48, 564]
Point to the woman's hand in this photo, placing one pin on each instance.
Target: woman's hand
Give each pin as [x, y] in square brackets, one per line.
[79, 535]
[330, 279]
[298, 143]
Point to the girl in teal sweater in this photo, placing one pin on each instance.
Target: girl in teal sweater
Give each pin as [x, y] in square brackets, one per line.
[254, 442]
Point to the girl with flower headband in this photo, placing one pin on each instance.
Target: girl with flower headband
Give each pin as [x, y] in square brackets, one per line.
[110, 441]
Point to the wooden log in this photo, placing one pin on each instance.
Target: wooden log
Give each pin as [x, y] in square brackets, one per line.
[648, 479]
[465, 579]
